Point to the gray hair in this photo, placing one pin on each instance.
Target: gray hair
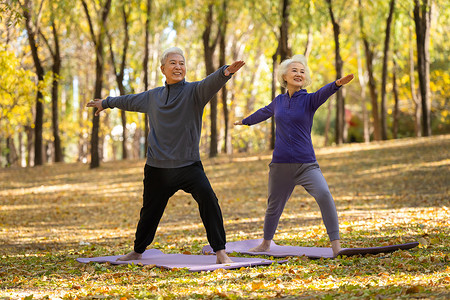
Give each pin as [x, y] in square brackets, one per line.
[172, 50]
[285, 65]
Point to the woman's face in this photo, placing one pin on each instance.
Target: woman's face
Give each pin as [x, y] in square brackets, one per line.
[295, 76]
[174, 68]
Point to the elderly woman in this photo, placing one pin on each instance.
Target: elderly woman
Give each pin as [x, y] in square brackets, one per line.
[175, 113]
[294, 161]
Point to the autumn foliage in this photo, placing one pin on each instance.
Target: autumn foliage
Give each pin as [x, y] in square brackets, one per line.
[387, 192]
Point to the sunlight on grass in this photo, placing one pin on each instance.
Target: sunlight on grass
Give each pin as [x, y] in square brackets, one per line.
[399, 168]
[386, 192]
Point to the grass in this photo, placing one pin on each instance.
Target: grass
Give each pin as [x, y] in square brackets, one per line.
[387, 192]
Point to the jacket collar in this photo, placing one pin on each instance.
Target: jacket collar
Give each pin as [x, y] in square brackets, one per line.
[297, 93]
[179, 83]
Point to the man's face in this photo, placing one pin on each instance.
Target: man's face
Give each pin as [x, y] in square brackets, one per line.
[174, 68]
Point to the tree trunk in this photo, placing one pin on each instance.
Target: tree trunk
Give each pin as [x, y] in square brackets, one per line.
[222, 54]
[21, 148]
[340, 101]
[11, 154]
[383, 105]
[145, 67]
[362, 83]
[56, 70]
[55, 96]
[309, 40]
[396, 108]
[415, 97]
[209, 48]
[372, 85]
[274, 91]
[283, 51]
[95, 156]
[99, 66]
[29, 146]
[120, 75]
[396, 113]
[327, 124]
[38, 123]
[422, 19]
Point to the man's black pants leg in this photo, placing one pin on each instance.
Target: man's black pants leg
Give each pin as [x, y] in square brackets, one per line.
[160, 184]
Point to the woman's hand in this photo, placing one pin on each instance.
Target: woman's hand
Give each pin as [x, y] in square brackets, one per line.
[344, 80]
[238, 123]
[234, 67]
[96, 103]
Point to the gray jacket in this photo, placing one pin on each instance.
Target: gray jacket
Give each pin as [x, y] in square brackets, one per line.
[175, 117]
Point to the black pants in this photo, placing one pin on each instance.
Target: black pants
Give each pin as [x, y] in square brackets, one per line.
[160, 184]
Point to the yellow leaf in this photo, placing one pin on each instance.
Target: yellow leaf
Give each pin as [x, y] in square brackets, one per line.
[257, 285]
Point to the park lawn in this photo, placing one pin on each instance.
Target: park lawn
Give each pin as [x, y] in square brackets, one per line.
[387, 192]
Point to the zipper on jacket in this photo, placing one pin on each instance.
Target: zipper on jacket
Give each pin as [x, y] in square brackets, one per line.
[168, 93]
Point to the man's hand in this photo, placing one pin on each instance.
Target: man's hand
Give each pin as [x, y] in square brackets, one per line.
[234, 67]
[96, 103]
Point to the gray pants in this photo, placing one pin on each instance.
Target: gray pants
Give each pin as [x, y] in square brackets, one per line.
[282, 180]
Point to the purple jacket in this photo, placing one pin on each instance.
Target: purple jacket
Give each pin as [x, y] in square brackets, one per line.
[293, 119]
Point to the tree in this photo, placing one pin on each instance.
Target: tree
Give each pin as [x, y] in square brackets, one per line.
[17, 93]
[32, 32]
[55, 53]
[97, 40]
[412, 81]
[209, 46]
[422, 19]
[383, 105]
[362, 82]
[145, 64]
[119, 72]
[369, 53]
[396, 99]
[308, 46]
[283, 52]
[222, 55]
[340, 101]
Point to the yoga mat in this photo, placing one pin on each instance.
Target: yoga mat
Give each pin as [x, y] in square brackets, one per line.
[194, 263]
[311, 252]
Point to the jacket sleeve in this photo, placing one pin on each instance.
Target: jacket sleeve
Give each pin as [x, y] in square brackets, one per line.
[209, 86]
[260, 115]
[132, 102]
[321, 96]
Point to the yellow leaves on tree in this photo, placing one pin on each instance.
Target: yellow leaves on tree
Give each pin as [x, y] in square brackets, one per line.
[17, 91]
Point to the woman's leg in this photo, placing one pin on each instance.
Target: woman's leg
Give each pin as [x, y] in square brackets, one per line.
[281, 185]
[311, 178]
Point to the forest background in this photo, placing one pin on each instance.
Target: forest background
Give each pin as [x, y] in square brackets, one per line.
[56, 55]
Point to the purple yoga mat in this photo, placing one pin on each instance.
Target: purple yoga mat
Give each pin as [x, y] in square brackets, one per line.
[194, 263]
[311, 252]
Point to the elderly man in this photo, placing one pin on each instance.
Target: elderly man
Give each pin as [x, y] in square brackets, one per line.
[173, 159]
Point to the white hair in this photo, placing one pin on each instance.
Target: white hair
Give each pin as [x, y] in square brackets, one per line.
[172, 50]
[285, 65]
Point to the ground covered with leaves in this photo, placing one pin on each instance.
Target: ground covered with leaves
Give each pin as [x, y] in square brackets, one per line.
[388, 192]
